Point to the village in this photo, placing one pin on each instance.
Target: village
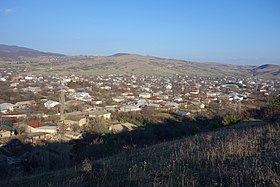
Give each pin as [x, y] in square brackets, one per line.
[61, 108]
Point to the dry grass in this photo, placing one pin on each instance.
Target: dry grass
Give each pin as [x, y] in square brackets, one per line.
[235, 156]
[128, 64]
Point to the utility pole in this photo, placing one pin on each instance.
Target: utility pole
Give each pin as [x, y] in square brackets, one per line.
[62, 105]
[239, 108]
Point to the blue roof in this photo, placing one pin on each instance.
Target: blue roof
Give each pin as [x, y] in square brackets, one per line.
[183, 113]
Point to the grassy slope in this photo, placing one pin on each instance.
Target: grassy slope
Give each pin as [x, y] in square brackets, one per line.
[144, 65]
[267, 71]
[242, 155]
[131, 64]
[139, 65]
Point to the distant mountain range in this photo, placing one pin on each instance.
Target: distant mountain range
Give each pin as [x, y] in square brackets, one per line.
[8, 52]
[124, 63]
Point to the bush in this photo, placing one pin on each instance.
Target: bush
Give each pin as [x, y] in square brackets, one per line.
[275, 104]
[214, 125]
[272, 111]
[86, 166]
[230, 119]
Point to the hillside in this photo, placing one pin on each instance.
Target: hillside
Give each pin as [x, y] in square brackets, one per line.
[267, 71]
[124, 63]
[8, 52]
[128, 64]
[243, 155]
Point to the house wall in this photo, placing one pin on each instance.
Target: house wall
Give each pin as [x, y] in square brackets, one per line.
[5, 134]
[82, 122]
[71, 122]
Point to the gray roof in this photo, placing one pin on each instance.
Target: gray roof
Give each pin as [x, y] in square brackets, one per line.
[5, 106]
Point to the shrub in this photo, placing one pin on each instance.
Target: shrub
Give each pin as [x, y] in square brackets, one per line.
[272, 111]
[275, 104]
[230, 119]
[214, 125]
[86, 166]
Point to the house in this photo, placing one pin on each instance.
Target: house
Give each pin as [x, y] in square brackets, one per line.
[130, 96]
[83, 96]
[207, 101]
[157, 93]
[195, 102]
[186, 104]
[230, 85]
[202, 106]
[96, 102]
[213, 94]
[5, 107]
[100, 114]
[15, 115]
[182, 113]
[124, 127]
[112, 108]
[172, 104]
[73, 135]
[37, 136]
[154, 100]
[118, 99]
[32, 89]
[130, 108]
[194, 109]
[194, 92]
[107, 87]
[141, 103]
[154, 105]
[145, 95]
[39, 126]
[165, 108]
[169, 87]
[3, 79]
[6, 131]
[14, 84]
[50, 104]
[178, 98]
[75, 120]
[24, 104]
[50, 129]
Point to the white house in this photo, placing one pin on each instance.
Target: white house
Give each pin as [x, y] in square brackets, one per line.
[3, 79]
[50, 104]
[178, 98]
[130, 108]
[141, 103]
[44, 129]
[24, 104]
[97, 102]
[83, 96]
[5, 107]
[145, 95]
[100, 114]
[169, 87]
[118, 99]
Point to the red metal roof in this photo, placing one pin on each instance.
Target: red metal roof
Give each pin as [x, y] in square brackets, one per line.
[36, 123]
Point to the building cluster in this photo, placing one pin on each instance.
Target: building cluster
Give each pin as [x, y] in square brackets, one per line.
[60, 106]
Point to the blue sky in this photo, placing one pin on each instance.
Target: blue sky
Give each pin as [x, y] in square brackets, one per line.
[230, 31]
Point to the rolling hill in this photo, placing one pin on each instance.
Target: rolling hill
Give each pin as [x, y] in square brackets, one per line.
[8, 52]
[124, 63]
[267, 70]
